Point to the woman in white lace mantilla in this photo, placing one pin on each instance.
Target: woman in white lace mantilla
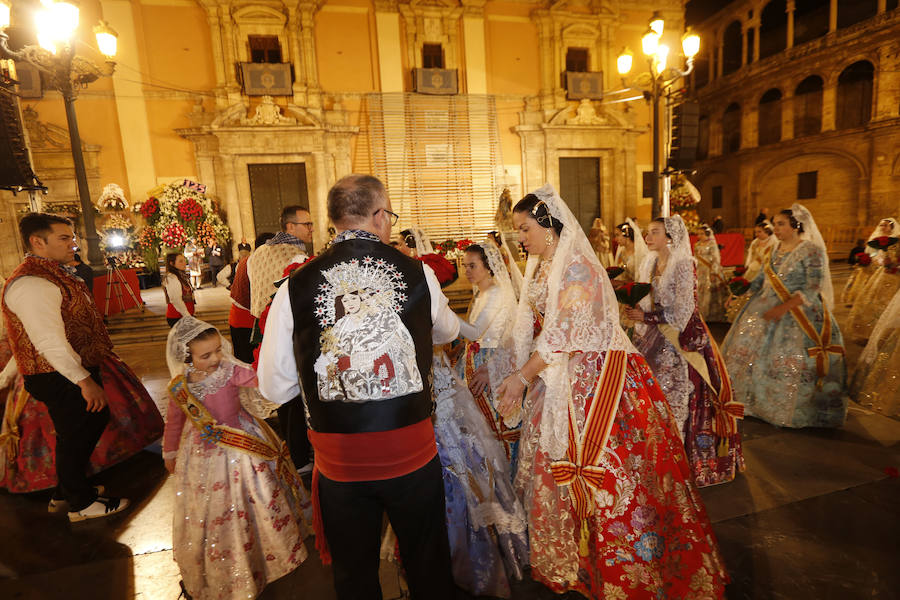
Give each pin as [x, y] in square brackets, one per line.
[238, 521]
[711, 288]
[612, 510]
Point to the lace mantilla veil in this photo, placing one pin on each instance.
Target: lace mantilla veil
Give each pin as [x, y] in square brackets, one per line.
[717, 255]
[423, 242]
[502, 363]
[640, 246]
[895, 229]
[184, 331]
[582, 315]
[679, 252]
[811, 233]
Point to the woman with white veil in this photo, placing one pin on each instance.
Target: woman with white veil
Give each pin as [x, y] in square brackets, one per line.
[415, 243]
[785, 351]
[862, 272]
[876, 379]
[711, 290]
[881, 286]
[631, 250]
[612, 509]
[672, 335]
[486, 360]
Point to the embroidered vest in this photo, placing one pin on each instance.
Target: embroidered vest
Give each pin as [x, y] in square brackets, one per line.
[362, 338]
[187, 293]
[84, 326]
[240, 285]
[267, 265]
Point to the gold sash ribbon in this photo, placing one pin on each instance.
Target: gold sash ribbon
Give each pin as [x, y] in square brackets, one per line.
[579, 470]
[822, 345]
[211, 431]
[709, 266]
[15, 404]
[504, 434]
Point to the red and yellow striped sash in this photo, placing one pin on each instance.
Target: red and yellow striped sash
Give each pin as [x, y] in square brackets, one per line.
[580, 470]
[822, 345]
[504, 434]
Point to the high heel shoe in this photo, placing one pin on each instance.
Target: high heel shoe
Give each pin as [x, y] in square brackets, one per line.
[184, 593]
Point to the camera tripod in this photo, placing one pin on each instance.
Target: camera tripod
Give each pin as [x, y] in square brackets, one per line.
[115, 280]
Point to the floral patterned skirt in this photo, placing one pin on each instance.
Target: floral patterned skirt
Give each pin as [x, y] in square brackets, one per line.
[28, 454]
[654, 540]
[237, 525]
[871, 302]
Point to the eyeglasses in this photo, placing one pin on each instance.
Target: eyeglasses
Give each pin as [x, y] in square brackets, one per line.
[394, 216]
[309, 224]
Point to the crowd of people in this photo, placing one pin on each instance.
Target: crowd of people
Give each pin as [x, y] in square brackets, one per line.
[557, 431]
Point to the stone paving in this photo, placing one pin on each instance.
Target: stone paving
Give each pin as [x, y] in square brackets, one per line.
[814, 516]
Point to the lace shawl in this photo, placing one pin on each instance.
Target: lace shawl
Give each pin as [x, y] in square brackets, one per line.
[674, 289]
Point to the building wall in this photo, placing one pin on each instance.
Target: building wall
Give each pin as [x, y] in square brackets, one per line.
[857, 181]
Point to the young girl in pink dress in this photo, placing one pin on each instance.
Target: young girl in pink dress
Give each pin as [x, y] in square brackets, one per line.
[238, 522]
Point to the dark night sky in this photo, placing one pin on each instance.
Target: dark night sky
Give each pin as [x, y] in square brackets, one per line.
[699, 10]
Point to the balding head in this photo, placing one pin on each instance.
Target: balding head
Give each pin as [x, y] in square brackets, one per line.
[358, 202]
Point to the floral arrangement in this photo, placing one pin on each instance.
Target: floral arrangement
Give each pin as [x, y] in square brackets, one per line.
[112, 198]
[452, 249]
[863, 259]
[632, 292]
[64, 208]
[444, 270]
[684, 198]
[190, 210]
[149, 209]
[173, 236]
[117, 221]
[738, 286]
[147, 239]
[614, 272]
[740, 270]
[882, 242]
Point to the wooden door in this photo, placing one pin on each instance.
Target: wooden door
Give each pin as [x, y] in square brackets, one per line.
[579, 186]
[272, 187]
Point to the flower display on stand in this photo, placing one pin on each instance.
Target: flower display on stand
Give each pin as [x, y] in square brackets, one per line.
[173, 236]
[683, 199]
[112, 198]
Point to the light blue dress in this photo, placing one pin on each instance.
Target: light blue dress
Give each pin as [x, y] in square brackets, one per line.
[771, 370]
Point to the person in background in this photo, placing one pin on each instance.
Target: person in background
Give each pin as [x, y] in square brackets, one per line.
[177, 288]
[762, 216]
[85, 272]
[718, 225]
[244, 245]
[215, 262]
[240, 319]
[859, 247]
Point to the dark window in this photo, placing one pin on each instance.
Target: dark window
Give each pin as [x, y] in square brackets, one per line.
[751, 33]
[891, 4]
[806, 185]
[854, 95]
[577, 60]
[808, 107]
[717, 196]
[432, 56]
[731, 129]
[810, 20]
[264, 49]
[854, 11]
[770, 117]
[647, 181]
[773, 28]
[731, 48]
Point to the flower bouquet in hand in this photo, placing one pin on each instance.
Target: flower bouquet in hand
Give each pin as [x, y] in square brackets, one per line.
[882, 242]
[614, 272]
[863, 259]
[740, 270]
[738, 286]
[632, 292]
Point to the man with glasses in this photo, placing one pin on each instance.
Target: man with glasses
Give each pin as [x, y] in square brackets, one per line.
[355, 328]
[264, 267]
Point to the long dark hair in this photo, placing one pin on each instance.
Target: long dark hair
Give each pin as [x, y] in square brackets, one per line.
[626, 229]
[795, 224]
[539, 211]
[171, 268]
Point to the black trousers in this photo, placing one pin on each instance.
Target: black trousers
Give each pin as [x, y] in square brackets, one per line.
[77, 432]
[352, 515]
[292, 425]
[240, 339]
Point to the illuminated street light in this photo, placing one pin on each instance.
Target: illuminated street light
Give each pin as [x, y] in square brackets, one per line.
[624, 62]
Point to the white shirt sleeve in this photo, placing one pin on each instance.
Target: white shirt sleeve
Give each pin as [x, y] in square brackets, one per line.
[279, 381]
[37, 303]
[223, 275]
[474, 331]
[445, 325]
[173, 289]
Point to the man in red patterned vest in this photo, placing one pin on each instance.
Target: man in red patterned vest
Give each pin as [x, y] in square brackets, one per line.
[59, 340]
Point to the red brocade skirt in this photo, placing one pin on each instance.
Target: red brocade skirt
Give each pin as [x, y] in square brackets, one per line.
[28, 451]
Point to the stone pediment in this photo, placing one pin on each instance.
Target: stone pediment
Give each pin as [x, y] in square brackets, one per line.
[594, 7]
[585, 113]
[266, 114]
[259, 13]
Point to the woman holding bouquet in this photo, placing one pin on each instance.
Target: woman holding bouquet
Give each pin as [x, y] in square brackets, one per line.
[762, 243]
[863, 269]
[611, 505]
[684, 357]
[881, 286]
[785, 351]
[415, 243]
[631, 250]
[711, 292]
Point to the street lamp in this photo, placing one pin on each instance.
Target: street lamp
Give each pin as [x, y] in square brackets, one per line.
[658, 80]
[55, 26]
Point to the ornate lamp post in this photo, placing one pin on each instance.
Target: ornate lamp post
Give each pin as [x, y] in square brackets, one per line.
[55, 56]
[656, 82]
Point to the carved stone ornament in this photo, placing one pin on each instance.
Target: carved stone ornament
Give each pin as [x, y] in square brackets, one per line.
[586, 114]
[43, 135]
[268, 113]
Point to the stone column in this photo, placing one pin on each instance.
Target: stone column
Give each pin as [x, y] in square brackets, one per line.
[756, 43]
[719, 54]
[886, 86]
[308, 48]
[832, 16]
[829, 107]
[749, 126]
[787, 117]
[390, 62]
[475, 47]
[790, 24]
[882, 6]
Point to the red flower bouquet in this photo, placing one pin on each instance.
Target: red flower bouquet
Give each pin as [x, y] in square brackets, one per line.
[882, 243]
[614, 272]
[740, 270]
[463, 244]
[863, 259]
[174, 236]
[632, 292]
[150, 208]
[443, 268]
[190, 210]
[738, 286]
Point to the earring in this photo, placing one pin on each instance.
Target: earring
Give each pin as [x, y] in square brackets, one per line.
[548, 238]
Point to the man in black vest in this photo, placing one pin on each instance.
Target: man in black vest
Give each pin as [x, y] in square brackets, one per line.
[355, 327]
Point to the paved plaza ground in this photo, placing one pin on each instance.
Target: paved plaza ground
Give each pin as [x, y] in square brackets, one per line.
[816, 515]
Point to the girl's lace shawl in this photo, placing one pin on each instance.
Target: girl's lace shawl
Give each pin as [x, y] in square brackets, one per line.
[677, 278]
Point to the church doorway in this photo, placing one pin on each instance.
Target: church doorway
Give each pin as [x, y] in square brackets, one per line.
[579, 186]
[272, 187]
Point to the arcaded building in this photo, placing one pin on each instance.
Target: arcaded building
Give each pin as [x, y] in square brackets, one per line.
[800, 102]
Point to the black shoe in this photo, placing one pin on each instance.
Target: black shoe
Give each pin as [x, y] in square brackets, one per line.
[184, 593]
